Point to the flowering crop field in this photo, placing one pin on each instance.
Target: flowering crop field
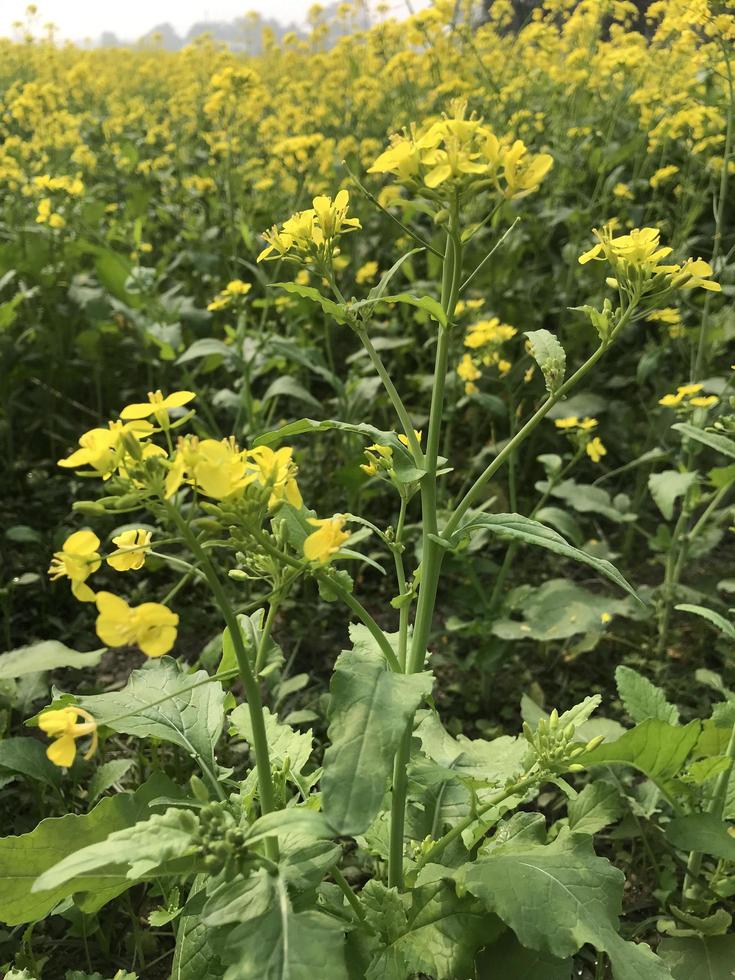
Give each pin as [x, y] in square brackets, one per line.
[368, 500]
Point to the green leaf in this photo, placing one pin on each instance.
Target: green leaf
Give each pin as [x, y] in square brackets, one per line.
[642, 699]
[427, 303]
[550, 357]
[24, 858]
[146, 845]
[437, 936]
[377, 291]
[667, 487]
[288, 387]
[596, 807]
[251, 630]
[557, 897]
[507, 959]
[283, 742]
[272, 942]
[206, 347]
[654, 747]
[107, 775]
[712, 439]
[336, 310]
[722, 624]
[27, 756]
[699, 957]
[300, 426]
[370, 708]
[588, 499]
[46, 655]
[161, 700]
[514, 527]
[702, 832]
[194, 958]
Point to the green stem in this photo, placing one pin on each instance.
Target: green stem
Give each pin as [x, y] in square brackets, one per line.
[431, 553]
[520, 436]
[265, 636]
[252, 690]
[344, 886]
[459, 828]
[395, 398]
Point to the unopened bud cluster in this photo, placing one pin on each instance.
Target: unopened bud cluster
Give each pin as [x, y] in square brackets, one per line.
[220, 840]
[556, 747]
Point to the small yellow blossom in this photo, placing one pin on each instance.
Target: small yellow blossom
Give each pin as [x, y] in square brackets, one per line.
[150, 626]
[682, 392]
[77, 560]
[366, 272]
[132, 547]
[157, 406]
[704, 401]
[276, 471]
[595, 449]
[321, 545]
[63, 725]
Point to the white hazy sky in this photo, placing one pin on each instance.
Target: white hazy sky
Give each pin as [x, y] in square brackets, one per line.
[79, 19]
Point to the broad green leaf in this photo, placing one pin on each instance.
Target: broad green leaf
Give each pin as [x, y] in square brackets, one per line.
[427, 303]
[24, 858]
[712, 439]
[283, 742]
[27, 756]
[557, 897]
[107, 775]
[667, 487]
[161, 700]
[146, 845]
[514, 527]
[335, 310]
[596, 807]
[273, 942]
[370, 708]
[588, 499]
[557, 610]
[206, 347]
[722, 624]
[287, 387]
[642, 699]
[194, 958]
[296, 818]
[506, 959]
[702, 832]
[654, 747]
[550, 357]
[47, 655]
[699, 957]
[432, 933]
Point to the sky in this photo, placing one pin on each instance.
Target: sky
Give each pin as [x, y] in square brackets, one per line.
[79, 19]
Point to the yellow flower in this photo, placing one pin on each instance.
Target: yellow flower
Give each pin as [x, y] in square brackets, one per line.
[524, 171]
[468, 372]
[682, 392]
[102, 449]
[77, 560]
[366, 272]
[704, 401]
[150, 626]
[487, 332]
[216, 468]
[63, 725]
[276, 471]
[404, 438]
[595, 449]
[568, 423]
[157, 406]
[132, 547]
[605, 618]
[588, 423]
[622, 191]
[662, 174]
[325, 542]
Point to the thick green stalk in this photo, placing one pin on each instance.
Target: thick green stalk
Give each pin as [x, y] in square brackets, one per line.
[431, 553]
[265, 636]
[252, 690]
